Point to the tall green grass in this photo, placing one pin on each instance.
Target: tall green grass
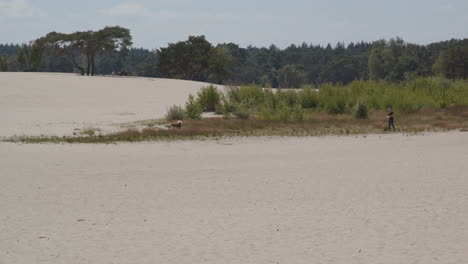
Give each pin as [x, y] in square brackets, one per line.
[356, 98]
[416, 94]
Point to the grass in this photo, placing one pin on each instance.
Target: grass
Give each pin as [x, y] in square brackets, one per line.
[421, 104]
[314, 124]
[146, 123]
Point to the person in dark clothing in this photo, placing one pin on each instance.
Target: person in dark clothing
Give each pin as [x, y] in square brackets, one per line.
[391, 119]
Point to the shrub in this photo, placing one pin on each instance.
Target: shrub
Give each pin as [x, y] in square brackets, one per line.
[360, 110]
[335, 106]
[289, 97]
[193, 110]
[209, 97]
[175, 113]
[250, 96]
[308, 97]
[297, 113]
[266, 113]
[242, 111]
[283, 112]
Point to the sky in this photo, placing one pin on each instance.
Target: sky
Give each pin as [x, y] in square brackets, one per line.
[155, 23]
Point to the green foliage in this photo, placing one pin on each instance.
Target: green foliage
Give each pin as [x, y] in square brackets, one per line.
[29, 56]
[428, 92]
[242, 111]
[251, 95]
[193, 109]
[308, 97]
[283, 112]
[175, 112]
[358, 97]
[209, 98]
[288, 97]
[453, 63]
[195, 59]
[333, 98]
[88, 43]
[297, 113]
[361, 110]
[393, 59]
[291, 76]
[266, 113]
[220, 64]
[4, 64]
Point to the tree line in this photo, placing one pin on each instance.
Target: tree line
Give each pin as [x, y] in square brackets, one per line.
[109, 50]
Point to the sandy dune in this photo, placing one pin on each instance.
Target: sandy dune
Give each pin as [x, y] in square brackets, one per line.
[375, 199]
[380, 199]
[56, 104]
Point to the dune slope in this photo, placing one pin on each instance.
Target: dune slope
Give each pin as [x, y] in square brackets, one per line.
[56, 104]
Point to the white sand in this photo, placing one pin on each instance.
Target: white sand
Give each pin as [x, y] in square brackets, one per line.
[56, 104]
[381, 199]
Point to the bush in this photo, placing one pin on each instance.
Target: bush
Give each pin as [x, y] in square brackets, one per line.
[335, 106]
[308, 97]
[175, 113]
[360, 110]
[193, 110]
[289, 97]
[266, 113]
[242, 111]
[208, 98]
[250, 96]
[297, 113]
[283, 112]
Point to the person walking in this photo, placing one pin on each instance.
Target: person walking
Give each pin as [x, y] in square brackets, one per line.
[391, 119]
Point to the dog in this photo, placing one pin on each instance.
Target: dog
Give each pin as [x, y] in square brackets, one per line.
[176, 124]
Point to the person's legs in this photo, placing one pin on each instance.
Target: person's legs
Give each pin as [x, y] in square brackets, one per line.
[393, 126]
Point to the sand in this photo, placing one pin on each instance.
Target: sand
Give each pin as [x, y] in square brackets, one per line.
[379, 199]
[368, 199]
[57, 103]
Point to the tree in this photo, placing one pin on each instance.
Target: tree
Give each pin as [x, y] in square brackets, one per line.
[69, 45]
[188, 60]
[291, 76]
[29, 56]
[104, 41]
[220, 65]
[89, 44]
[453, 63]
[4, 64]
[394, 59]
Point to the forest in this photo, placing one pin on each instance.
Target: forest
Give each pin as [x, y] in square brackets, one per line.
[109, 51]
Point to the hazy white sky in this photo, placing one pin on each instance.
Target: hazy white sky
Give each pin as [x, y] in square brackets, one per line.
[154, 23]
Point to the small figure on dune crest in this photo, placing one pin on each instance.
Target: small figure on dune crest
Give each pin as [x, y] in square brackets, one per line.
[175, 124]
[391, 119]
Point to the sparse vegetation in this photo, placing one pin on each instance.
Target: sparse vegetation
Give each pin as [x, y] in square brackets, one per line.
[356, 98]
[90, 131]
[421, 104]
[193, 109]
[209, 98]
[175, 112]
[361, 111]
[314, 124]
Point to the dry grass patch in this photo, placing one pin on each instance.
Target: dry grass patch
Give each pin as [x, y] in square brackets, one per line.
[314, 124]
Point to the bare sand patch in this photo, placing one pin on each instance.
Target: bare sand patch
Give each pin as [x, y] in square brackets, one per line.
[56, 103]
[379, 199]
